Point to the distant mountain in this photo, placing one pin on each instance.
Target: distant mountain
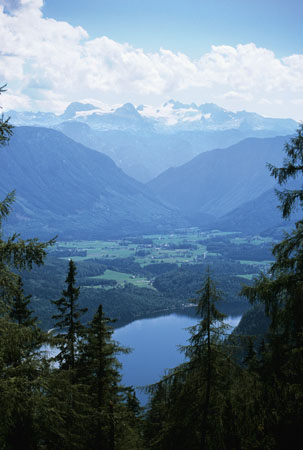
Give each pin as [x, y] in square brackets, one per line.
[170, 117]
[124, 117]
[145, 141]
[65, 188]
[127, 111]
[142, 156]
[145, 156]
[259, 216]
[220, 180]
[178, 116]
[74, 108]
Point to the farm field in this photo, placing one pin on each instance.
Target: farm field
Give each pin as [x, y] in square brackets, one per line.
[145, 250]
[187, 247]
[122, 278]
[140, 275]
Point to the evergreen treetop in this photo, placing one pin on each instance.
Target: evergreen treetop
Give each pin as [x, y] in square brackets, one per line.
[20, 312]
[71, 330]
[292, 168]
[6, 128]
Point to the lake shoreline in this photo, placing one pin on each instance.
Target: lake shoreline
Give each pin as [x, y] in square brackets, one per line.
[155, 343]
[188, 310]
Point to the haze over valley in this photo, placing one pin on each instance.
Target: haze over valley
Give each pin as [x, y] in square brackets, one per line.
[63, 180]
[146, 144]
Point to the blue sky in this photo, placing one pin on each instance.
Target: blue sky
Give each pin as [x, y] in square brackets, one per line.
[189, 26]
[239, 54]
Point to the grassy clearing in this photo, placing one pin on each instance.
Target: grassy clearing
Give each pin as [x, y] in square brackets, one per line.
[259, 265]
[159, 251]
[159, 248]
[99, 249]
[249, 276]
[123, 278]
[255, 240]
[222, 233]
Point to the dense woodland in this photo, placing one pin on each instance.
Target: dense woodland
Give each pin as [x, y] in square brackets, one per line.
[171, 286]
[235, 393]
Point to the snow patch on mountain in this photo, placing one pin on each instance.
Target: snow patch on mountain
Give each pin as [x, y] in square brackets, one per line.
[170, 117]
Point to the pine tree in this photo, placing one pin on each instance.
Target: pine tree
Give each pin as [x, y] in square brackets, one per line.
[206, 347]
[63, 413]
[292, 168]
[21, 394]
[21, 365]
[281, 291]
[15, 253]
[20, 312]
[68, 323]
[189, 404]
[100, 372]
[65, 394]
[6, 128]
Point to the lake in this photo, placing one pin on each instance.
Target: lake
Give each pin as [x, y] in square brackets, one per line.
[155, 342]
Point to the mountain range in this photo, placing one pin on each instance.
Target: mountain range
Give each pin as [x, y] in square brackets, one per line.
[220, 180]
[145, 141]
[261, 215]
[170, 117]
[67, 189]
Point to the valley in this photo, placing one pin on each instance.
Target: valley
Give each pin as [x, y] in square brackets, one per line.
[142, 248]
[128, 256]
[67, 190]
[144, 141]
[139, 275]
[189, 246]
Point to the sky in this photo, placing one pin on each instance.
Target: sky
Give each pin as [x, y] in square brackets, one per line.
[239, 54]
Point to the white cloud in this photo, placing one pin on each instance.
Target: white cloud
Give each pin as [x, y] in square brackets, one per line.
[170, 115]
[49, 63]
[264, 101]
[233, 95]
[14, 101]
[10, 5]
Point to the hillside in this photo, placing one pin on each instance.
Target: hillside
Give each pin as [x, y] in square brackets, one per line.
[221, 180]
[65, 188]
[258, 216]
[146, 141]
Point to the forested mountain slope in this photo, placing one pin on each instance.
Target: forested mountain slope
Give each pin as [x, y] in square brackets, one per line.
[145, 141]
[220, 180]
[145, 154]
[258, 216]
[65, 188]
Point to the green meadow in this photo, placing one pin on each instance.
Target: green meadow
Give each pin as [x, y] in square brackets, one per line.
[187, 247]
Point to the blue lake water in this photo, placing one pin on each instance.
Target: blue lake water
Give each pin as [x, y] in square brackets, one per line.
[155, 342]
